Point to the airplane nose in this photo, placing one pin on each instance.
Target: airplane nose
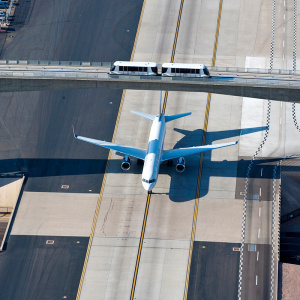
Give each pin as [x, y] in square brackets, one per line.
[146, 186]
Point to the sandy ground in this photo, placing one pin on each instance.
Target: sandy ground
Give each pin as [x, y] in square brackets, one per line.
[290, 282]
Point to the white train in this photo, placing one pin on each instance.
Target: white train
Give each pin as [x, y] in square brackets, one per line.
[150, 68]
[186, 70]
[134, 68]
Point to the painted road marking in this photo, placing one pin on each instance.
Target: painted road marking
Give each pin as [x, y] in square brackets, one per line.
[140, 247]
[258, 234]
[149, 194]
[259, 211]
[257, 255]
[201, 160]
[105, 174]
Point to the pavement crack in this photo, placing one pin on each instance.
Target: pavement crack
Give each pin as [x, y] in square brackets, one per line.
[110, 209]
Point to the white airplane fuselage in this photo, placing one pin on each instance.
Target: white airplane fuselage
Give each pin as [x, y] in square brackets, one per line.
[154, 152]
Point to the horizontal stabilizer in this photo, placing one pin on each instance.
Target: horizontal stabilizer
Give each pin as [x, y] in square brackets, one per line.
[174, 117]
[144, 115]
[175, 153]
[131, 151]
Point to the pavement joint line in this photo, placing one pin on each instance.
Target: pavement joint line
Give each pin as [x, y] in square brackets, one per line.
[201, 159]
[106, 170]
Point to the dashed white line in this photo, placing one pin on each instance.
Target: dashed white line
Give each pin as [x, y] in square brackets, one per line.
[284, 16]
[257, 255]
[283, 3]
[258, 234]
[259, 191]
[282, 43]
[256, 279]
[259, 211]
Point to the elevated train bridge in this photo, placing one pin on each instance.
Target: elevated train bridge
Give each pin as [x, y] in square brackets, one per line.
[37, 75]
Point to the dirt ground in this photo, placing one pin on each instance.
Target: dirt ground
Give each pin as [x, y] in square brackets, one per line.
[290, 286]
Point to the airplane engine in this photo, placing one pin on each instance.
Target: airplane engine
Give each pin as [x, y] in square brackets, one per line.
[180, 166]
[126, 163]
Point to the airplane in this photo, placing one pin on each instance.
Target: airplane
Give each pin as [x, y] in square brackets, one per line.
[154, 155]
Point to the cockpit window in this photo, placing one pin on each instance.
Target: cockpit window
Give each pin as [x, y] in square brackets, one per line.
[148, 181]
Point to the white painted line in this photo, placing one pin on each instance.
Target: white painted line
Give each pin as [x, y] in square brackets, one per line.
[261, 170]
[283, 3]
[259, 191]
[259, 212]
[256, 279]
[258, 235]
[282, 43]
[257, 255]
[284, 16]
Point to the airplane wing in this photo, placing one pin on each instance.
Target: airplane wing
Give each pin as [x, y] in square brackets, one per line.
[175, 153]
[131, 151]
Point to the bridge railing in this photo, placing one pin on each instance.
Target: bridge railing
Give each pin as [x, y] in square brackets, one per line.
[109, 64]
[83, 75]
[253, 70]
[56, 63]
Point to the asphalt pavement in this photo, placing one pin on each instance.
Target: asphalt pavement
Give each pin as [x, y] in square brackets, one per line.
[36, 130]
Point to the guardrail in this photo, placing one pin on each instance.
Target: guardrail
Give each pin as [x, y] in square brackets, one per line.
[82, 75]
[55, 63]
[109, 64]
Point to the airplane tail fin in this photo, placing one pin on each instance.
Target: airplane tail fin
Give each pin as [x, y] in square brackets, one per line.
[174, 117]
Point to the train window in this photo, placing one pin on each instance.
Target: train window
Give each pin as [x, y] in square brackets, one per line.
[197, 71]
[206, 71]
[133, 69]
[163, 70]
[173, 70]
[154, 69]
[121, 68]
[112, 68]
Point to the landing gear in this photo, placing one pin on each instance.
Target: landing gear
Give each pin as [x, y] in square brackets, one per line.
[140, 162]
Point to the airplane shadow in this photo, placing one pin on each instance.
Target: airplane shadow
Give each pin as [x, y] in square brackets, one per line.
[178, 192]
